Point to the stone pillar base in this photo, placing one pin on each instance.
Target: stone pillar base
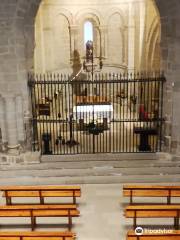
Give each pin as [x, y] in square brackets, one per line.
[164, 156]
[22, 159]
[176, 157]
[167, 143]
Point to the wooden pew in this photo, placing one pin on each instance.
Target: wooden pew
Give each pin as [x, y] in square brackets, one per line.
[34, 211]
[40, 191]
[153, 211]
[173, 235]
[151, 191]
[37, 236]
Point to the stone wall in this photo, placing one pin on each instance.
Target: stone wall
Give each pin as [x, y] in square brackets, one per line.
[170, 47]
[16, 30]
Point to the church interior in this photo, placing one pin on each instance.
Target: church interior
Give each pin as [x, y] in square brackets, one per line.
[89, 120]
[97, 86]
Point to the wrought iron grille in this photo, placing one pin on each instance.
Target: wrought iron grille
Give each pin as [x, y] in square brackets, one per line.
[114, 113]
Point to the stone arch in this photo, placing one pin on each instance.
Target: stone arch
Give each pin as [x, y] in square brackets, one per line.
[67, 14]
[30, 8]
[155, 24]
[88, 13]
[113, 11]
[52, 40]
[26, 11]
[153, 39]
[116, 38]
[153, 42]
[96, 19]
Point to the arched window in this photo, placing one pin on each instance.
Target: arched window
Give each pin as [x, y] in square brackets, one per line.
[88, 32]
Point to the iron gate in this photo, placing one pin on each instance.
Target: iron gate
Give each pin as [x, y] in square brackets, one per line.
[112, 113]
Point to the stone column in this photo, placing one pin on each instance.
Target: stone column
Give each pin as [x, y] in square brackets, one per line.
[131, 38]
[11, 124]
[168, 113]
[41, 30]
[142, 28]
[73, 29]
[3, 121]
[123, 31]
[103, 41]
[19, 117]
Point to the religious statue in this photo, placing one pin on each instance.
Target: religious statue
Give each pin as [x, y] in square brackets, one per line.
[89, 50]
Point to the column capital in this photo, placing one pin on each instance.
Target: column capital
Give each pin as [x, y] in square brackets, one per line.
[103, 28]
[73, 28]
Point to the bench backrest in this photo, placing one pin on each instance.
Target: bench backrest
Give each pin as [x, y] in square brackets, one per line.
[145, 211]
[37, 235]
[40, 191]
[45, 191]
[38, 210]
[151, 191]
[40, 187]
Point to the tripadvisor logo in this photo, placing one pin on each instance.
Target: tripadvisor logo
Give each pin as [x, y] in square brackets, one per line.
[139, 231]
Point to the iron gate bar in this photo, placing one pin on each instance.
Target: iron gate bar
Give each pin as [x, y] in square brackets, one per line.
[126, 93]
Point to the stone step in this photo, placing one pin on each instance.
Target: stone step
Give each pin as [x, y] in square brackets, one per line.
[99, 157]
[156, 179]
[92, 168]
[91, 164]
[96, 171]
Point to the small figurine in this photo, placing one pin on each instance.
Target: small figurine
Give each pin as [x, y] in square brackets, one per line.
[89, 50]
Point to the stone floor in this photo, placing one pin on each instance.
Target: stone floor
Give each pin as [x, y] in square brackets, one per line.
[101, 207]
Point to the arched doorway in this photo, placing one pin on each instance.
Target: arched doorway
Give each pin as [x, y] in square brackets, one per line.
[132, 117]
[169, 42]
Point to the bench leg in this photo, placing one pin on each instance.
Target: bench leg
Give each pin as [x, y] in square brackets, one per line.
[175, 223]
[168, 200]
[131, 198]
[8, 201]
[69, 223]
[74, 199]
[33, 222]
[41, 200]
[134, 223]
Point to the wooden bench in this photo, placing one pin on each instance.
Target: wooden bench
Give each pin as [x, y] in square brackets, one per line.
[153, 211]
[34, 211]
[151, 191]
[40, 191]
[37, 236]
[173, 235]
